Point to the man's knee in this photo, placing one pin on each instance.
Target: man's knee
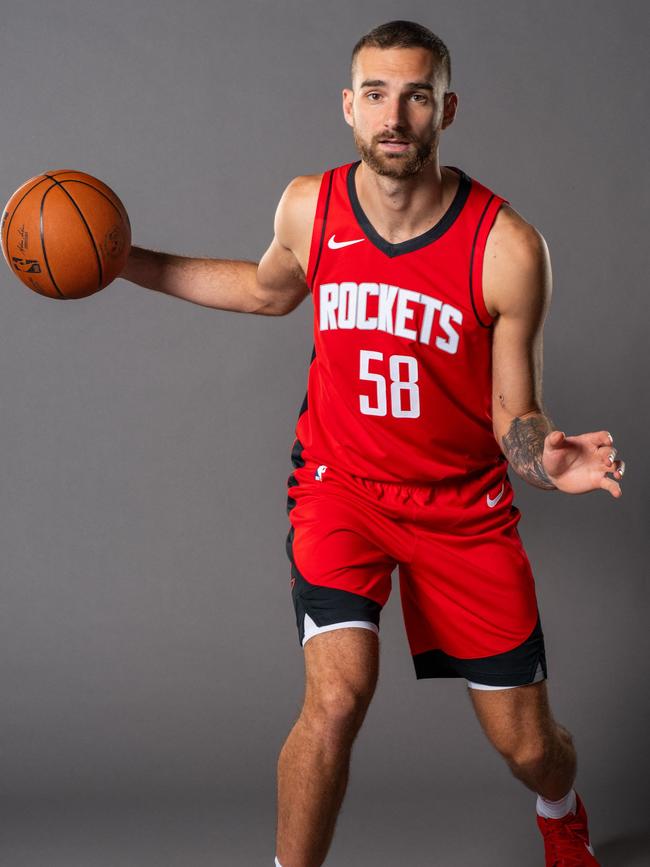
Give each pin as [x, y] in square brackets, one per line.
[565, 736]
[538, 752]
[337, 710]
[342, 669]
[335, 706]
[532, 756]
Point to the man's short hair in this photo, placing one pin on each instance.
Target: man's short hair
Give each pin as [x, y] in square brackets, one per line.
[405, 34]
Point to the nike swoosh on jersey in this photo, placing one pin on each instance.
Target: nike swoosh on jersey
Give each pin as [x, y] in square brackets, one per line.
[492, 502]
[335, 245]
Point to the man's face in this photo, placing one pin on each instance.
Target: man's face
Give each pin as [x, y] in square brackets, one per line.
[397, 109]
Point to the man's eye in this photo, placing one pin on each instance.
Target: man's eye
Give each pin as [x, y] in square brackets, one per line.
[420, 97]
[373, 94]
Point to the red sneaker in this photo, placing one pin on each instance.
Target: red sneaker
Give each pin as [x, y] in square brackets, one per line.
[566, 840]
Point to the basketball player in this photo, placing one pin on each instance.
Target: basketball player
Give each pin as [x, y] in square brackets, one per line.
[430, 294]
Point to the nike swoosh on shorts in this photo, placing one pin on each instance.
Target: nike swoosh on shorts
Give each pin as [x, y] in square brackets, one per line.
[492, 502]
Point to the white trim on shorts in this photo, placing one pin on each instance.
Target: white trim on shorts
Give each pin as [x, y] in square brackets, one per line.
[539, 675]
[473, 685]
[312, 629]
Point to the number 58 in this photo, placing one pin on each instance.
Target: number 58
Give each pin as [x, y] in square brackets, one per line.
[397, 385]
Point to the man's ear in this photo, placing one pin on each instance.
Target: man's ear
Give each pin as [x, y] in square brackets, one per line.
[450, 109]
[347, 97]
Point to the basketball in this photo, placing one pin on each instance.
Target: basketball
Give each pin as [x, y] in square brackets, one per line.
[65, 234]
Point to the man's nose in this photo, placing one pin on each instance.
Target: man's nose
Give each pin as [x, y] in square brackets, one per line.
[395, 114]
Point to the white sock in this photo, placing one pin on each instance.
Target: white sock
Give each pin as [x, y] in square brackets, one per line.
[277, 863]
[556, 809]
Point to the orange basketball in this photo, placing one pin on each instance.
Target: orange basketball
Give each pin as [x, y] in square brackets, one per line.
[65, 234]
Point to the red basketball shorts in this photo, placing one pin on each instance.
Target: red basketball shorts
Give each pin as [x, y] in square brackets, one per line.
[466, 586]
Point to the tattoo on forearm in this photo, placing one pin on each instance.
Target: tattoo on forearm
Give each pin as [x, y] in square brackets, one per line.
[523, 445]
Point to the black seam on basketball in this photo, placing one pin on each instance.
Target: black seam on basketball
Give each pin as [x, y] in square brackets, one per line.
[83, 219]
[322, 234]
[47, 264]
[10, 220]
[61, 172]
[471, 264]
[86, 184]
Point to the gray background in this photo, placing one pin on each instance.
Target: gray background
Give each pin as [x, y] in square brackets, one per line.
[149, 666]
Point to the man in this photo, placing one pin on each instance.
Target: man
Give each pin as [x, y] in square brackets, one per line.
[430, 294]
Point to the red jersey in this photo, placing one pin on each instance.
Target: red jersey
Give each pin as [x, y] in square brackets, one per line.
[400, 382]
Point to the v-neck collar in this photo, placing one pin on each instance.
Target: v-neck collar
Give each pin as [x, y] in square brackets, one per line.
[432, 234]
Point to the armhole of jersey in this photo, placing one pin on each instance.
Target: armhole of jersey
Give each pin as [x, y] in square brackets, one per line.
[476, 259]
[318, 230]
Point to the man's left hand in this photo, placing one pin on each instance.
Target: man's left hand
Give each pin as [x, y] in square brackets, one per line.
[581, 463]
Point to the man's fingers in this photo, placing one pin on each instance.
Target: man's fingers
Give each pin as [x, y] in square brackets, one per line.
[617, 470]
[607, 454]
[610, 485]
[556, 438]
[603, 438]
[599, 439]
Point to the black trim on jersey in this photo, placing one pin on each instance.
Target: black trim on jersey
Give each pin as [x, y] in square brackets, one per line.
[515, 667]
[432, 234]
[305, 403]
[298, 461]
[296, 455]
[322, 234]
[471, 265]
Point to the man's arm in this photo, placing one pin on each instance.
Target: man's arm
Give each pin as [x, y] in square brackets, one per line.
[273, 287]
[517, 285]
[517, 289]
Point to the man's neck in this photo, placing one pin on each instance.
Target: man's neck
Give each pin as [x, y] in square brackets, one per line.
[402, 208]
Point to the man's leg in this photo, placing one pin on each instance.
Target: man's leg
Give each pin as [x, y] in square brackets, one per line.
[341, 668]
[538, 750]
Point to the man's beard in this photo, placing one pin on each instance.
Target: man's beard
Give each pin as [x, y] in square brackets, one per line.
[396, 165]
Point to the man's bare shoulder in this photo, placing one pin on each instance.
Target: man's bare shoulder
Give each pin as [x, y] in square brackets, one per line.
[516, 261]
[300, 197]
[514, 235]
[295, 215]
[304, 186]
